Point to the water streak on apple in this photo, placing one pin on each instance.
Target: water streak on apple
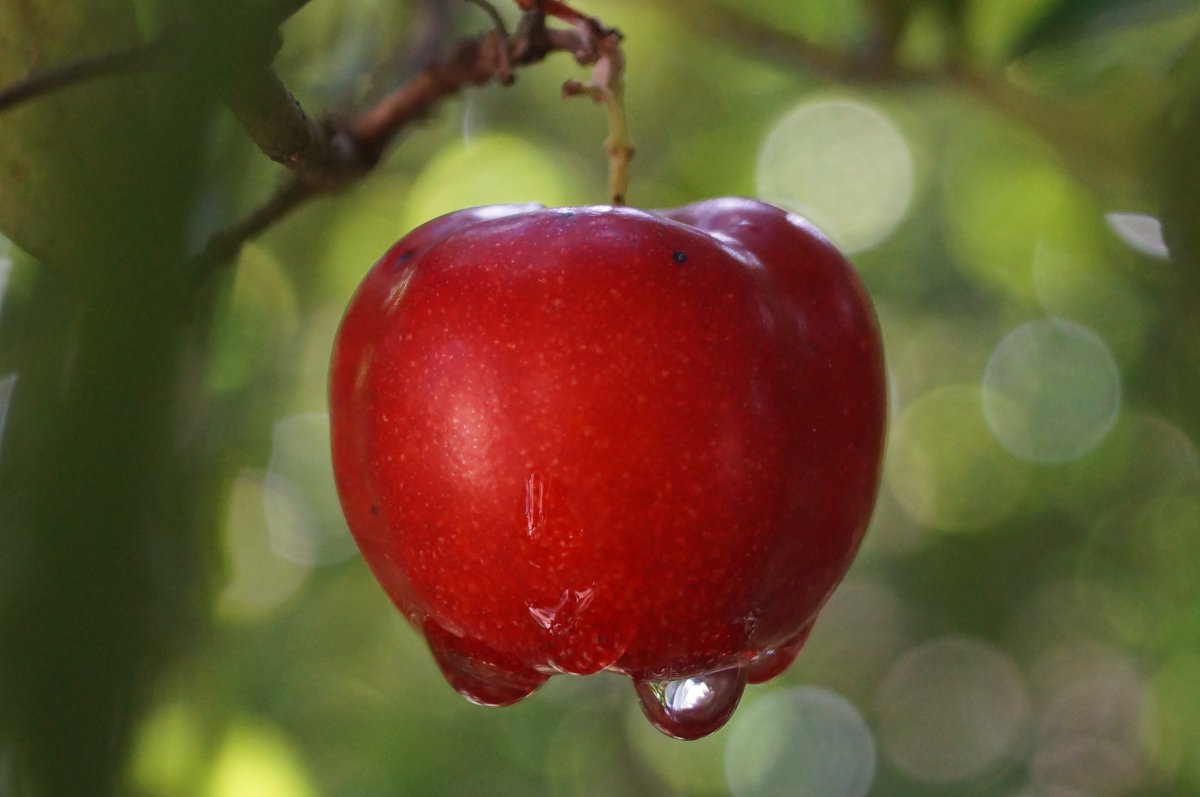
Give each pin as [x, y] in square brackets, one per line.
[579, 439]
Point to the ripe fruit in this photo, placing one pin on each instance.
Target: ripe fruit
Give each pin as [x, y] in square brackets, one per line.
[570, 440]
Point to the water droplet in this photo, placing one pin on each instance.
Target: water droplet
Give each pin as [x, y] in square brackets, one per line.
[535, 505]
[564, 614]
[689, 708]
[581, 638]
[773, 661]
[400, 284]
[482, 675]
[582, 625]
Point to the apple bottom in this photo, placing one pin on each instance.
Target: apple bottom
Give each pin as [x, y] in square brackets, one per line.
[685, 706]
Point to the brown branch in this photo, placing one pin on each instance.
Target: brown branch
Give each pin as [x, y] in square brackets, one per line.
[225, 245]
[471, 63]
[421, 47]
[323, 158]
[277, 124]
[493, 15]
[347, 151]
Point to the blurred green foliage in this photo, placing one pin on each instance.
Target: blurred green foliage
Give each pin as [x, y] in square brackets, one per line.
[1024, 620]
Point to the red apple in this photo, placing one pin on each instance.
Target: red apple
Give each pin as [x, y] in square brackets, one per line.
[571, 440]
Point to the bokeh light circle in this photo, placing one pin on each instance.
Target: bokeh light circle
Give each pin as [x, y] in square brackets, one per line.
[1051, 391]
[259, 581]
[304, 517]
[255, 758]
[841, 164]
[256, 322]
[944, 466]
[800, 741]
[1005, 195]
[1172, 735]
[490, 169]
[1080, 284]
[952, 710]
[1091, 733]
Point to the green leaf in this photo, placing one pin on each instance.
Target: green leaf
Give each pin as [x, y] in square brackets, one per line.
[1069, 21]
[1178, 168]
[62, 155]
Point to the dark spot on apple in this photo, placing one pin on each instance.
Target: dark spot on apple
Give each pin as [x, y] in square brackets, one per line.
[566, 214]
[679, 257]
[374, 510]
[405, 256]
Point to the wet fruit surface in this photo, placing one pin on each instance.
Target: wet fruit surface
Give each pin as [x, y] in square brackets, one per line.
[571, 440]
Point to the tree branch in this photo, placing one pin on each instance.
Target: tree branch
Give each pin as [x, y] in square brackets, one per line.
[326, 158]
[150, 55]
[277, 124]
[471, 63]
[224, 246]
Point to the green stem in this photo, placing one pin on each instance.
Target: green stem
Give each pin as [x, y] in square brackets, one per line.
[619, 149]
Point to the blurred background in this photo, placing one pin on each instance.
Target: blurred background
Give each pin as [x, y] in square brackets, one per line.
[1017, 183]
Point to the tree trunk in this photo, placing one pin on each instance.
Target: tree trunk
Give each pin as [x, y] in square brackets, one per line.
[105, 490]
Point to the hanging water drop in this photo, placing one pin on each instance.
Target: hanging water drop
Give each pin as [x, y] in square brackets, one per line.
[478, 673]
[774, 660]
[689, 708]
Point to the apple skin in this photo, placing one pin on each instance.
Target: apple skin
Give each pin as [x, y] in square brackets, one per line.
[578, 439]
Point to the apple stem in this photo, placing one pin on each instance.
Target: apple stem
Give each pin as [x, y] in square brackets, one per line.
[600, 47]
[608, 86]
[620, 151]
